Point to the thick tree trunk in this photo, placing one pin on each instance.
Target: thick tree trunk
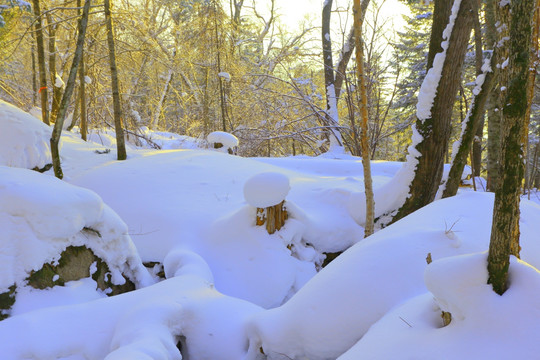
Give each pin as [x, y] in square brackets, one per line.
[505, 229]
[497, 35]
[41, 63]
[117, 108]
[366, 160]
[55, 138]
[472, 122]
[435, 129]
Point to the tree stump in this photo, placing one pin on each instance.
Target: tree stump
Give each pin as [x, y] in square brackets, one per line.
[273, 216]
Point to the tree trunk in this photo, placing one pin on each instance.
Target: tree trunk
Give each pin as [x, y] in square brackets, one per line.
[34, 75]
[117, 109]
[497, 35]
[505, 229]
[435, 127]
[346, 53]
[476, 158]
[41, 63]
[368, 183]
[469, 130]
[56, 90]
[332, 117]
[273, 216]
[82, 93]
[163, 97]
[55, 138]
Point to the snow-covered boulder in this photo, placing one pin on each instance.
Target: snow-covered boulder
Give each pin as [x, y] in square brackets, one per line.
[223, 141]
[24, 140]
[48, 224]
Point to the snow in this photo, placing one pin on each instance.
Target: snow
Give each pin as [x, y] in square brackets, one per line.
[230, 290]
[228, 140]
[480, 326]
[24, 140]
[58, 82]
[428, 89]
[41, 216]
[266, 189]
[225, 75]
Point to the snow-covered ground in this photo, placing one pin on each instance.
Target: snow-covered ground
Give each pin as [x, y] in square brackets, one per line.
[231, 290]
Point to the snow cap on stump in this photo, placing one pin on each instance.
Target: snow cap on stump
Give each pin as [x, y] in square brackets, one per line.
[227, 140]
[266, 189]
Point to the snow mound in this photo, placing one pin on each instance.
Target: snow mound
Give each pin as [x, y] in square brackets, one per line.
[24, 140]
[266, 189]
[377, 274]
[41, 216]
[229, 141]
[484, 325]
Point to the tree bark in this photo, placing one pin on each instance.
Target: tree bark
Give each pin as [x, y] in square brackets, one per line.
[56, 90]
[497, 35]
[332, 118]
[476, 159]
[473, 121]
[117, 109]
[41, 63]
[55, 138]
[366, 160]
[82, 93]
[435, 130]
[504, 239]
[346, 53]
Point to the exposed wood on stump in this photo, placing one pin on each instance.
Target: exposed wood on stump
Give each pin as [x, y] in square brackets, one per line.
[273, 216]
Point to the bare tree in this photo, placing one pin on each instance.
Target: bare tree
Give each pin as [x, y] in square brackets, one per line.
[117, 108]
[366, 158]
[55, 138]
[41, 63]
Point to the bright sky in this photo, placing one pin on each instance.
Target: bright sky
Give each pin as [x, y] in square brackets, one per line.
[293, 11]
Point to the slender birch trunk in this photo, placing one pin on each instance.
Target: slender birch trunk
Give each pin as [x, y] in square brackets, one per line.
[368, 183]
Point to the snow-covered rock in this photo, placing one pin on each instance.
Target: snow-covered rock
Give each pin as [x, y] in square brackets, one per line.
[41, 216]
[24, 140]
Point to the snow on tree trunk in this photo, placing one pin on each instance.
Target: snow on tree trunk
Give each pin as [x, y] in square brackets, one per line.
[505, 228]
[469, 127]
[434, 113]
[332, 116]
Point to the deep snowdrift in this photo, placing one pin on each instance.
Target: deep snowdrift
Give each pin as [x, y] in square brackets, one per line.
[186, 209]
